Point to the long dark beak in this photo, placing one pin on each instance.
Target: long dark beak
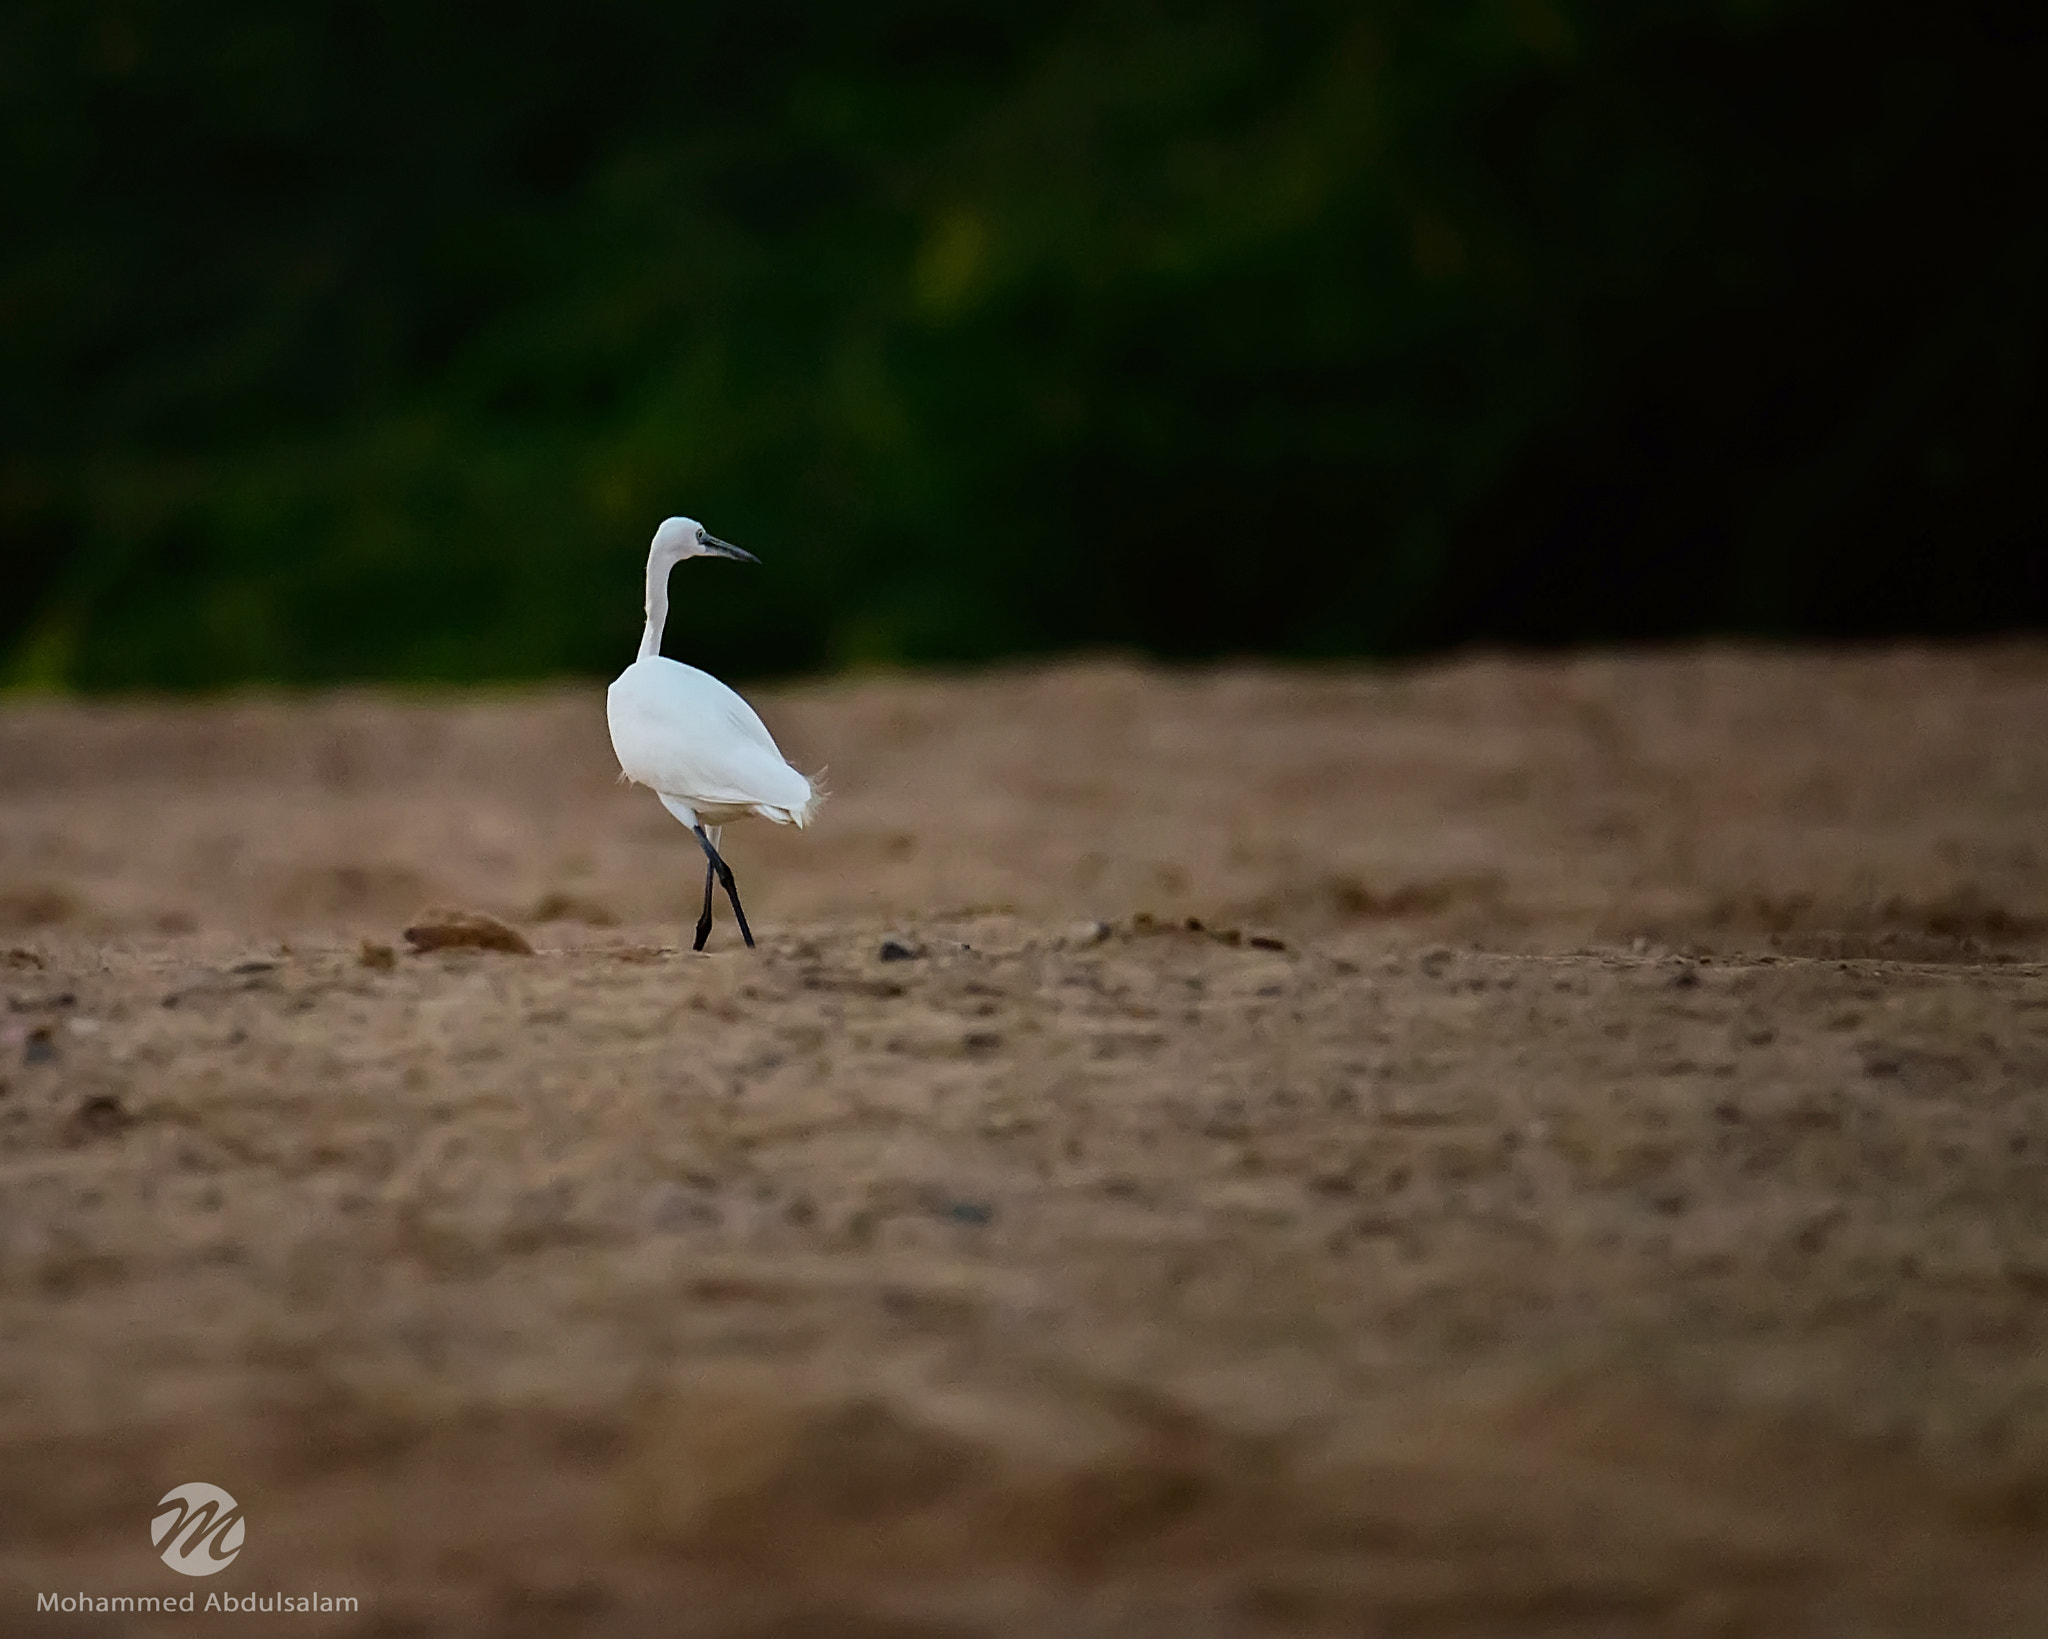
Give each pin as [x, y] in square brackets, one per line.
[725, 549]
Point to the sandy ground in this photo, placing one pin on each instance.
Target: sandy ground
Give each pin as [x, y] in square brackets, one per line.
[1584, 1169]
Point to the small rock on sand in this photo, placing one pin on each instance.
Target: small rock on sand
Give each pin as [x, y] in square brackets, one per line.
[465, 930]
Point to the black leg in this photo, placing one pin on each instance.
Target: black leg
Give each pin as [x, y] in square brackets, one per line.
[704, 921]
[724, 873]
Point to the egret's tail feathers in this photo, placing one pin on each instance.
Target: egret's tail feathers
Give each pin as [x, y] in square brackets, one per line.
[816, 800]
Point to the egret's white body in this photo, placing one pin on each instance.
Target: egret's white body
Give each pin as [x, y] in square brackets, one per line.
[700, 747]
[695, 743]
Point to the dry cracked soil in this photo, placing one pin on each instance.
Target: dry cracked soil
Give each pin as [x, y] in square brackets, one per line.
[1503, 1147]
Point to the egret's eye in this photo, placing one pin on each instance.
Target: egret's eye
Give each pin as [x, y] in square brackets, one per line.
[700, 537]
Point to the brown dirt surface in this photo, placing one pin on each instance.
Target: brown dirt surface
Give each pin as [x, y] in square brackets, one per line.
[1500, 1147]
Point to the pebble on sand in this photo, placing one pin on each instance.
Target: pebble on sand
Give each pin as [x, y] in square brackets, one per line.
[99, 1117]
[465, 930]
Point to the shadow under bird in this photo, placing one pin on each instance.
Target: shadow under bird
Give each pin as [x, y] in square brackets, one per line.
[691, 740]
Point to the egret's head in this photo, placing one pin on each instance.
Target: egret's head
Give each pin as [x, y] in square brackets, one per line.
[680, 538]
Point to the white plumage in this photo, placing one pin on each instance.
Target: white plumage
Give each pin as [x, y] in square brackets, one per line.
[694, 742]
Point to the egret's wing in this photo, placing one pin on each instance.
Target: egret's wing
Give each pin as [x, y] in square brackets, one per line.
[683, 732]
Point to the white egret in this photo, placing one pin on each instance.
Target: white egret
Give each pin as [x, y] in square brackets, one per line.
[697, 745]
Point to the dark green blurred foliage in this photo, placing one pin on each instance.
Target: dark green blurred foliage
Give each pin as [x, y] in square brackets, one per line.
[372, 339]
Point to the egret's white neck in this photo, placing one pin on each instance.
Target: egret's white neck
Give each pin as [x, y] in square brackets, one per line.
[657, 605]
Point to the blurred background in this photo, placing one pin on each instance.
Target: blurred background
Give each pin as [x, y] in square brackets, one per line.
[370, 340]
